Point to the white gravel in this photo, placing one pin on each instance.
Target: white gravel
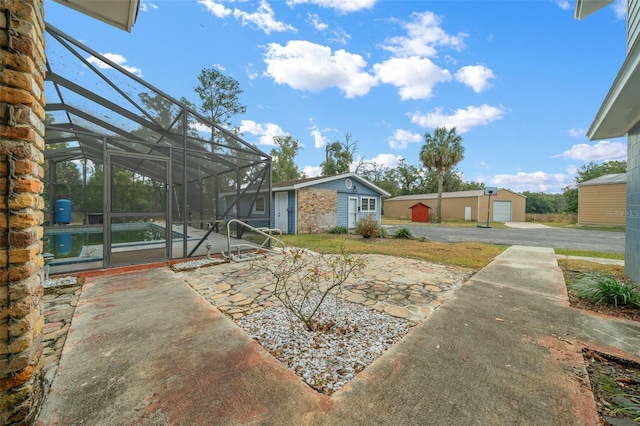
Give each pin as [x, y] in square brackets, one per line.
[351, 337]
[57, 282]
[195, 264]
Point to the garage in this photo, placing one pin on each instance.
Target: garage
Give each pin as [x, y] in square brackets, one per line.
[502, 211]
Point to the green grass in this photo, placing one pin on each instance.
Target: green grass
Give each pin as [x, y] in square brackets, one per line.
[590, 253]
[469, 255]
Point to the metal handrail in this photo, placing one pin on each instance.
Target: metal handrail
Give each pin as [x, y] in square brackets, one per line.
[245, 251]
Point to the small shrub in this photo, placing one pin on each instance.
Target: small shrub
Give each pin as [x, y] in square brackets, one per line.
[422, 239]
[338, 230]
[403, 233]
[303, 280]
[601, 288]
[369, 227]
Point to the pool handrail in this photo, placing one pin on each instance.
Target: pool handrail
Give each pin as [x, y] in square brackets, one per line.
[247, 251]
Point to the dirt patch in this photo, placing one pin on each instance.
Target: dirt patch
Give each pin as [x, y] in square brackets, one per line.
[615, 381]
[616, 387]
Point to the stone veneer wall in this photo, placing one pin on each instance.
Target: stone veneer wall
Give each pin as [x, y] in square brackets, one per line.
[317, 210]
[632, 232]
[22, 67]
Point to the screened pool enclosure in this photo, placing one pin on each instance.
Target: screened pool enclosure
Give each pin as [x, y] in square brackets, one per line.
[133, 175]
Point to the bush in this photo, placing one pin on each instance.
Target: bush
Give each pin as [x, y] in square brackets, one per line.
[403, 233]
[369, 227]
[303, 280]
[338, 230]
[601, 288]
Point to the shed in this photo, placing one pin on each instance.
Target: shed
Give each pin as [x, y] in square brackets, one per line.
[420, 212]
[603, 201]
[506, 206]
[318, 204]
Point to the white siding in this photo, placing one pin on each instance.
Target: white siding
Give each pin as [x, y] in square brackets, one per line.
[633, 23]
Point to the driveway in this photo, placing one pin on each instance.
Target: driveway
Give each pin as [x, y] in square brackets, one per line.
[577, 239]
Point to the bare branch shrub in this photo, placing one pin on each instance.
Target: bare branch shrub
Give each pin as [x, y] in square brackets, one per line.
[303, 280]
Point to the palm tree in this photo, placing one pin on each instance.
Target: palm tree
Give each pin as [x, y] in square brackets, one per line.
[440, 153]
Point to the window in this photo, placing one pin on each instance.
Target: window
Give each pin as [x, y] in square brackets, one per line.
[367, 204]
[258, 207]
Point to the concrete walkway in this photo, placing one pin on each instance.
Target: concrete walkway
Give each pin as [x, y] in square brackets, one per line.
[505, 348]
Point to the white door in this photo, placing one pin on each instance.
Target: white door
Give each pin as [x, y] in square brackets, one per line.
[282, 215]
[352, 212]
[502, 211]
[467, 213]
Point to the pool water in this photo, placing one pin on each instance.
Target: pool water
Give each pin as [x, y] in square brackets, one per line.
[63, 243]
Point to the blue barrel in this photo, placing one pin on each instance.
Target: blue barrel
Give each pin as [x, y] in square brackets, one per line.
[63, 244]
[63, 212]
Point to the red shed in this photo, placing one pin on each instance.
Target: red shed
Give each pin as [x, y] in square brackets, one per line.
[420, 212]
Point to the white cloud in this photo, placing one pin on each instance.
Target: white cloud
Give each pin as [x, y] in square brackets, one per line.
[342, 6]
[414, 76]
[564, 4]
[117, 59]
[462, 119]
[389, 161]
[146, 5]
[577, 132]
[475, 76]
[534, 181]
[217, 9]
[620, 9]
[319, 140]
[424, 35]
[402, 138]
[601, 151]
[266, 131]
[312, 171]
[316, 22]
[263, 19]
[303, 65]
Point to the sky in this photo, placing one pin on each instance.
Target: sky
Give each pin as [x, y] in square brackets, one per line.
[520, 80]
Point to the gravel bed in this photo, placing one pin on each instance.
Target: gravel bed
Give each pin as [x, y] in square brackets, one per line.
[348, 338]
[58, 282]
[195, 264]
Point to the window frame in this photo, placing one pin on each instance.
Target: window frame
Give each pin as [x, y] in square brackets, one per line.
[368, 202]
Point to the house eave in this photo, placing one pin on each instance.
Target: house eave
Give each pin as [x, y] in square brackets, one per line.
[119, 13]
[585, 8]
[620, 111]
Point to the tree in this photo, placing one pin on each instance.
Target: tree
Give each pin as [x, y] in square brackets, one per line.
[440, 153]
[219, 96]
[587, 172]
[283, 166]
[452, 182]
[539, 202]
[339, 156]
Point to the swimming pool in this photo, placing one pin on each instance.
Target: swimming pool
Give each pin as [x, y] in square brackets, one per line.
[66, 242]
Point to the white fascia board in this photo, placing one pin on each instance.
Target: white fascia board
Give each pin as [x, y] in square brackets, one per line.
[119, 13]
[585, 8]
[620, 110]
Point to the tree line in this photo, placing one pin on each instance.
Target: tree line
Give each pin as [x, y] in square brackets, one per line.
[434, 172]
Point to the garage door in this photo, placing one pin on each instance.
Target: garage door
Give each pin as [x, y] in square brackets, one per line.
[502, 211]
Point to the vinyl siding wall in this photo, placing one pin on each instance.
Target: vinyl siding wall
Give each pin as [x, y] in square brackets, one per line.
[602, 204]
[632, 235]
[633, 23]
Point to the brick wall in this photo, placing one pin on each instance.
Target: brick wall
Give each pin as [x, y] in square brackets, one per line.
[317, 210]
[22, 101]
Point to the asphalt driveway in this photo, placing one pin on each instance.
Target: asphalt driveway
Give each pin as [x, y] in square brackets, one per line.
[577, 239]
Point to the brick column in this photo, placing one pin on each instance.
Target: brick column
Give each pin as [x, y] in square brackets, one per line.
[22, 60]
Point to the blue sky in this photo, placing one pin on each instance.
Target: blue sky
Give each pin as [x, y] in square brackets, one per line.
[520, 80]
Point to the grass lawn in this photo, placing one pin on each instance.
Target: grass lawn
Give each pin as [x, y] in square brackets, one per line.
[469, 255]
[460, 223]
[590, 253]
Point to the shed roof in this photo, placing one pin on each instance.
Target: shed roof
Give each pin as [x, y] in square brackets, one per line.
[302, 183]
[420, 204]
[475, 193]
[611, 179]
